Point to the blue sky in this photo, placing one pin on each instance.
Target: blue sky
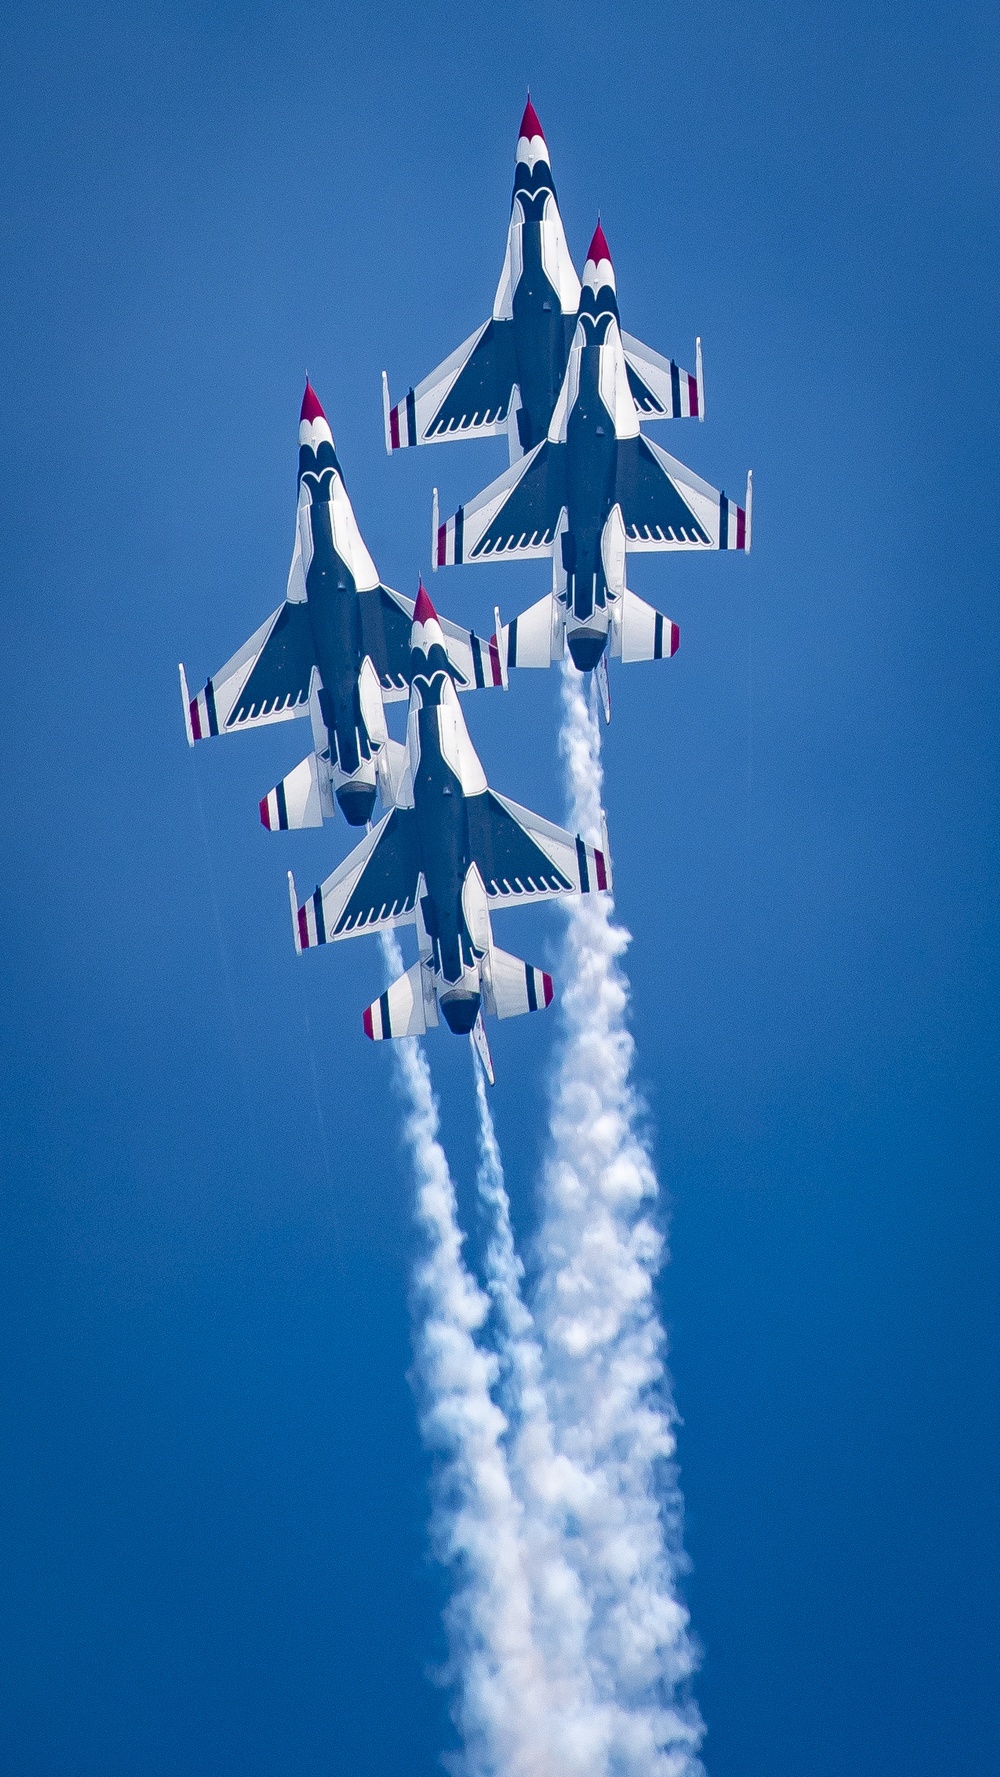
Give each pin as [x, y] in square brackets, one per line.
[213, 1553]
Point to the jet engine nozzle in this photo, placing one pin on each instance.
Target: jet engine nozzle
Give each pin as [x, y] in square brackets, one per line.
[461, 1009]
[356, 801]
[586, 647]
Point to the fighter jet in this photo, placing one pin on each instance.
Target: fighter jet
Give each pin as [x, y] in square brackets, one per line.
[506, 377]
[336, 649]
[591, 490]
[447, 852]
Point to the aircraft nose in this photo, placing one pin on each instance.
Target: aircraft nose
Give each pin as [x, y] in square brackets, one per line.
[586, 647]
[357, 802]
[461, 1010]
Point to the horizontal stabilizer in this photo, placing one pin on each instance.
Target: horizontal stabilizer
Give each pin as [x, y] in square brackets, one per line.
[516, 987]
[302, 799]
[640, 632]
[533, 639]
[392, 765]
[406, 1009]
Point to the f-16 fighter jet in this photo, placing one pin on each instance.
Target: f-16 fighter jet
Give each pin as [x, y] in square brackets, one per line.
[448, 851]
[506, 377]
[591, 490]
[335, 650]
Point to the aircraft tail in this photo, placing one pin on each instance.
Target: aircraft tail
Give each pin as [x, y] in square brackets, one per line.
[302, 799]
[535, 638]
[641, 633]
[406, 1009]
[515, 987]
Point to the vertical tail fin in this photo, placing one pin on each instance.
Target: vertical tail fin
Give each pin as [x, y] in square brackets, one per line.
[481, 1048]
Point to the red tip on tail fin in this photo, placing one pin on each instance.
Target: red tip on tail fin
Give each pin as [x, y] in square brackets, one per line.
[367, 1021]
[311, 409]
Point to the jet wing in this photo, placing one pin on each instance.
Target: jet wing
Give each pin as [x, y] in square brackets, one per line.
[515, 518]
[374, 888]
[660, 389]
[267, 681]
[468, 396]
[386, 625]
[523, 858]
[666, 506]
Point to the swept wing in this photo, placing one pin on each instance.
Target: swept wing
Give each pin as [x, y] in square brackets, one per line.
[374, 888]
[660, 388]
[468, 396]
[666, 506]
[516, 517]
[266, 681]
[522, 857]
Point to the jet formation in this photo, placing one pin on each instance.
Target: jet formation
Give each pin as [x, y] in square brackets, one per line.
[553, 371]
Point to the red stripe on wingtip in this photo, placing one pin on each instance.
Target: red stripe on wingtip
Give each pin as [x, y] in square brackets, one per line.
[675, 638]
[602, 874]
[547, 988]
[265, 812]
[367, 1022]
[442, 545]
[693, 395]
[195, 719]
[394, 428]
[303, 929]
[495, 661]
[741, 528]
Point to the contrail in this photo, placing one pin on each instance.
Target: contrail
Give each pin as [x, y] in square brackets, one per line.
[579, 1726]
[609, 1405]
[503, 1708]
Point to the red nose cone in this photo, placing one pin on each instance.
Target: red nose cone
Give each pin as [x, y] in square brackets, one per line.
[311, 409]
[423, 610]
[599, 248]
[530, 125]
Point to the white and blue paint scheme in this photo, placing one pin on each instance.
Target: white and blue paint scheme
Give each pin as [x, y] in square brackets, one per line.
[589, 492]
[446, 855]
[505, 378]
[337, 649]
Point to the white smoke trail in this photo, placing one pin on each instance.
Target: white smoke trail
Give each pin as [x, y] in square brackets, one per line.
[503, 1710]
[609, 1404]
[579, 1728]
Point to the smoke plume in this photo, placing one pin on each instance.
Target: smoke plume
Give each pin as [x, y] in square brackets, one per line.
[610, 1411]
[502, 1708]
[556, 1499]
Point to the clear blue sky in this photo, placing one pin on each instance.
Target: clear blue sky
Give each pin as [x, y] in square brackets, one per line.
[212, 1543]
